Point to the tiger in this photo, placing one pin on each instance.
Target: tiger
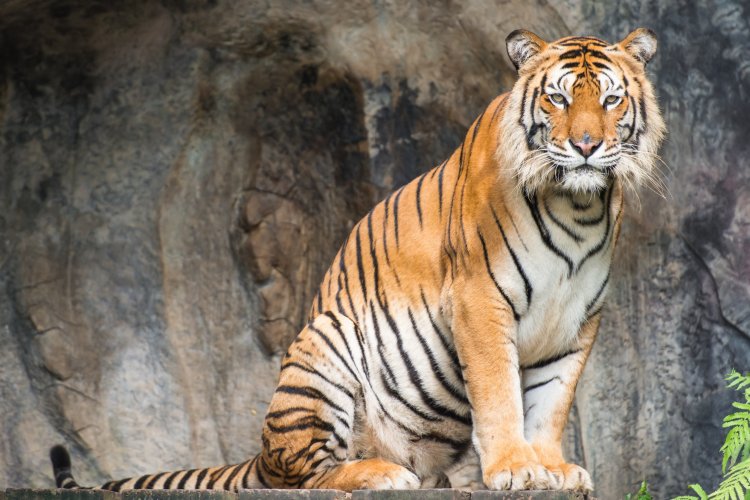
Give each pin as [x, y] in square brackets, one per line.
[445, 341]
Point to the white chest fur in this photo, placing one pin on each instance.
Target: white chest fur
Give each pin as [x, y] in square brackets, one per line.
[563, 248]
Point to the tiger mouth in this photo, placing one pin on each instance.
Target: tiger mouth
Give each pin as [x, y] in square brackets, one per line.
[583, 168]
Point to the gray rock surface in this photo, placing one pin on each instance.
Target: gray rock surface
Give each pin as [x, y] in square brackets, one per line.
[175, 177]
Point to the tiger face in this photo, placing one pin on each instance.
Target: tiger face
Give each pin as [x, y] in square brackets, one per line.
[583, 112]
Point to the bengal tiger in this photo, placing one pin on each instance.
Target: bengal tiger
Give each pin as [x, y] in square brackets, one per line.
[446, 339]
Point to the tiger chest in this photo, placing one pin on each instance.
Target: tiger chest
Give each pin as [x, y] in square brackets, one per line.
[558, 309]
[555, 281]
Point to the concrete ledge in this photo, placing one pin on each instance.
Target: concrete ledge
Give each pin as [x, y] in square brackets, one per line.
[442, 494]
[438, 494]
[22, 494]
[529, 495]
[177, 495]
[291, 495]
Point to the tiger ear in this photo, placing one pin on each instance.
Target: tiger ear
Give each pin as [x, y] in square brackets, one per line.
[522, 45]
[641, 44]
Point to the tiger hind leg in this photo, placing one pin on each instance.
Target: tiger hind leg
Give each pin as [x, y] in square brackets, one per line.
[308, 435]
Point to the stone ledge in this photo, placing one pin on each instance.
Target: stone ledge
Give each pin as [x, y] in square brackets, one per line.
[437, 494]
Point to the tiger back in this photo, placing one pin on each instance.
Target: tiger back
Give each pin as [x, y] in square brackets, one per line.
[447, 337]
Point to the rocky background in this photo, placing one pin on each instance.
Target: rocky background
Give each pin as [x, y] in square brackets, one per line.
[175, 177]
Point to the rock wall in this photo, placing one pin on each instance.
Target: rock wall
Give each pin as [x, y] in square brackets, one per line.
[175, 177]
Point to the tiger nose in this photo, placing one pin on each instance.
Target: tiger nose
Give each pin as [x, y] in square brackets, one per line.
[586, 147]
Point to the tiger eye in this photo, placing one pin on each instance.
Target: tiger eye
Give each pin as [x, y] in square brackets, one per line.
[557, 98]
[612, 99]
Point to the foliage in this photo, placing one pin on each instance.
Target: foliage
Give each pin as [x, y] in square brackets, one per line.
[735, 464]
[642, 494]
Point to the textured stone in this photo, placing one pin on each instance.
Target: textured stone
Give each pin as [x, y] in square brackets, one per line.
[436, 494]
[177, 495]
[529, 495]
[292, 495]
[175, 177]
[59, 494]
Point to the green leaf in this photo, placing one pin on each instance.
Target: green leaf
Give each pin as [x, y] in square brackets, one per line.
[699, 490]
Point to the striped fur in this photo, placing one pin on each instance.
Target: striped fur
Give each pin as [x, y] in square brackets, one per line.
[446, 339]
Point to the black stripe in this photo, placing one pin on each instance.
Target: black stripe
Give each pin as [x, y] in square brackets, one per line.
[414, 377]
[569, 65]
[261, 477]
[575, 236]
[186, 478]
[634, 110]
[198, 480]
[168, 481]
[576, 205]
[215, 476]
[436, 369]
[452, 249]
[319, 301]
[562, 77]
[357, 334]
[544, 233]
[571, 54]
[534, 128]
[392, 387]
[313, 371]
[374, 259]
[115, 486]
[150, 484]
[526, 284]
[598, 294]
[522, 112]
[599, 246]
[304, 424]
[333, 348]
[228, 481]
[546, 362]
[395, 213]
[642, 111]
[579, 40]
[599, 54]
[288, 411]
[343, 271]
[419, 205]
[360, 266]
[246, 475]
[477, 125]
[518, 233]
[385, 229]
[309, 393]
[516, 316]
[140, 481]
[447, 345]
[540, 384]
[440, 188]
[596, 220]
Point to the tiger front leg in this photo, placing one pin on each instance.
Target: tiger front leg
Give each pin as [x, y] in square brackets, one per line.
[549, 388]
[484, 330]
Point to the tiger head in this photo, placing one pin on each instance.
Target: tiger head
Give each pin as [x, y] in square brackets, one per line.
[581, 113]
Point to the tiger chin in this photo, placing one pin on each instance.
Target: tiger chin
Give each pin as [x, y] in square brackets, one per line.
[446, 339]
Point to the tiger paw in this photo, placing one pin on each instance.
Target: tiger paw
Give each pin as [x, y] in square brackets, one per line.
[370, 474]
[573, 477]
[521, 476]
[397, 478]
